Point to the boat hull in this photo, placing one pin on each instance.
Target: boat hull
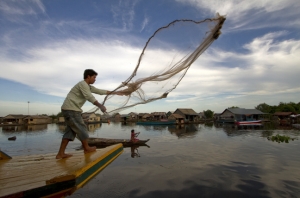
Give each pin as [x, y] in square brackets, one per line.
[103, 142]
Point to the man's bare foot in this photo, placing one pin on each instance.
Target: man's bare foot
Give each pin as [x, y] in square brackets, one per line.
[89, 149]
[58, 156]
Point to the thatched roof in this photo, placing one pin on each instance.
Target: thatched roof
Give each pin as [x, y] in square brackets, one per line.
[37, 117]
[175, 115]
[15, 116]
[158, 113]
[188, 111]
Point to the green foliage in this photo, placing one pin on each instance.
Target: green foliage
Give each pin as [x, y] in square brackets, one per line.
[53, 116]
[208, 113]
[265, 108]
[282, 107]
[280, 138]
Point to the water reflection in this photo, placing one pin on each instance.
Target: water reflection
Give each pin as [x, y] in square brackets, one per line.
[13, 128]
[128, 124]
[154, 127]
[267, 133]
[221, 161]
[234, 130]
[240, 127]
[61, 128]
[135, 151]
[39, 127]
[182, 131]
[91, 127]
[160, 127]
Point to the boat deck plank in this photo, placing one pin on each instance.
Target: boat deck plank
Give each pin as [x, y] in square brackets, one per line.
[24, 173]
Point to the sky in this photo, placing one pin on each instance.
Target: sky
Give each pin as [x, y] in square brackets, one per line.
[46, 45]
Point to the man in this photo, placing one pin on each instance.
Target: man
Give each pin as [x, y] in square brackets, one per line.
[71, 110]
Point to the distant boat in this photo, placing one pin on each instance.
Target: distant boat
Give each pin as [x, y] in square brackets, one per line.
[12, 138]
[103, 142]
[158, 122]
[248, 122]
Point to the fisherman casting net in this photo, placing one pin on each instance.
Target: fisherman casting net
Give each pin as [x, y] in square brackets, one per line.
[164, 61]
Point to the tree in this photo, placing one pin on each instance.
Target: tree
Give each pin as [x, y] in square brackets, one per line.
[263, 107]
[208, 113]
[59, 114]
[53, 116]
[288, 108]
[281, 107]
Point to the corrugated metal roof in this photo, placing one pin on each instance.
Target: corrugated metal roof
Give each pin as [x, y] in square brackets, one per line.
[188, 111]
[243, 111]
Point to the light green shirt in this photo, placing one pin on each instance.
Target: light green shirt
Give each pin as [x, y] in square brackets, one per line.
[79, 94]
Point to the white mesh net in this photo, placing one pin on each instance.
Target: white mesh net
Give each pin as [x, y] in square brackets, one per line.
[164, 61]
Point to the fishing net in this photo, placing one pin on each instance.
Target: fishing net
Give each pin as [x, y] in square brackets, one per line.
[164, 61]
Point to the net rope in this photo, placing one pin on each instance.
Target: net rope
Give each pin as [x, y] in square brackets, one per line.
[167, 56]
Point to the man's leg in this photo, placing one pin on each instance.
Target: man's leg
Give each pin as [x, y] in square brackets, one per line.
[86, 147]
[61, 153]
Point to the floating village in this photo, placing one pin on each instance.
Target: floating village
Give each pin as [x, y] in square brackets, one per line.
[180, 116]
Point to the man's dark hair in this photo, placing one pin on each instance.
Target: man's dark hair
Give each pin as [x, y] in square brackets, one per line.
[89, 72]
[132, 130]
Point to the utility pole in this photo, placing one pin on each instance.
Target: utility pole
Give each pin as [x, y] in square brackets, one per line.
[28, 107]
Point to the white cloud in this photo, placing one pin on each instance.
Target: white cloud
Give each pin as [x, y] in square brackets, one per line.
[268, 73]
[244, 14]
[53, 69]
[21, 7]
[145, 22]
[123, 13]
[268, 68]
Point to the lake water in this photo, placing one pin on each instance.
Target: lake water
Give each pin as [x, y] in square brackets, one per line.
[181, 161]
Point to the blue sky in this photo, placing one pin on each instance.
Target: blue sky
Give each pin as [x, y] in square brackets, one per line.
[46, 45]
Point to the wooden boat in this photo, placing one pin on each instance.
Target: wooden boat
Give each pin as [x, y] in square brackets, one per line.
[103, 142]
[45, 176]
[159, 122]
[248, 122]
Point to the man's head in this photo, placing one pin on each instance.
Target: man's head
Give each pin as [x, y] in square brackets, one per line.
[89, 76]
[132, 131]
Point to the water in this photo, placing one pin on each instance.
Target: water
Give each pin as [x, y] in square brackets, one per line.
[189, 161]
